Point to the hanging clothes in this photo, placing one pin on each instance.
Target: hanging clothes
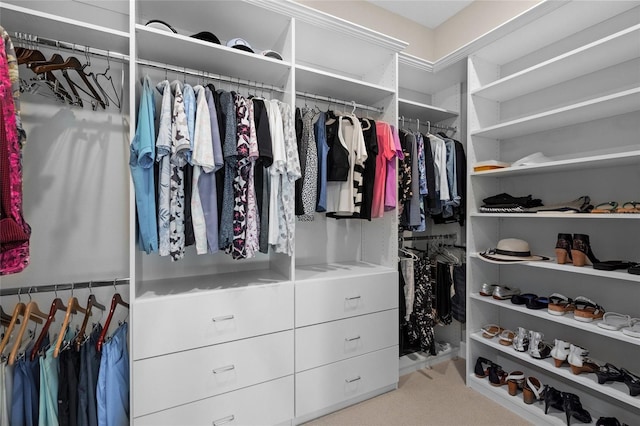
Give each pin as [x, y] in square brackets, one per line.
[112, 390]
[309, 151]
[163, 159]
[422, 320]
[90, 360]
[386, 153]
[320, 133]
[369, 174]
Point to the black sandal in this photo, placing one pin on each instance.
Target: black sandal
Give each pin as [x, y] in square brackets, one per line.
[612, 265]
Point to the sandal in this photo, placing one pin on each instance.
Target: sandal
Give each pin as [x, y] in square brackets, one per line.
[587, 310]
[633, 207]
[521, 340]
[634, 269]
[538, 303]
[515, 381]
[487, 289]
[614, 321]
[612, 265]
[560, 304]
[490, 331]
[609, 207]
[506, 337]
[497, 376]
[532, 390]
[522, 299]
[480, 370]
[633, 329]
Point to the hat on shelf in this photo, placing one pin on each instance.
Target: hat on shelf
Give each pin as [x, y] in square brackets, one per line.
[160, 25]
[510, 250]
[207, 36]
[271, 54]
[241, 44]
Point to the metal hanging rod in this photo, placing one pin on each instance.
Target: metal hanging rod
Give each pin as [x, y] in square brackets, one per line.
[30, 38]
[210, 75]
[430, 237]
[428, 124]
[61, 287]
[338, 101]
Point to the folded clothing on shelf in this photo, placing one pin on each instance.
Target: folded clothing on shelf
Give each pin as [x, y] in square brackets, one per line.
[504, 202]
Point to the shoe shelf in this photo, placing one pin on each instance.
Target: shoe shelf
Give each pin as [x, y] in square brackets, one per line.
[625, 216]
[616, 390]
[582, 163]
[500, 395]
[566, 319]
[613, 49]
[593, 109]
[586, 270]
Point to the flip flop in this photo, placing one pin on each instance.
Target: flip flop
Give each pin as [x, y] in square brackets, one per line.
[490, 331]
[634, 329]
[506, 337]
[614, 321]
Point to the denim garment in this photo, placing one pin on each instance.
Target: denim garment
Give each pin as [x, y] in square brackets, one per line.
[112, 389]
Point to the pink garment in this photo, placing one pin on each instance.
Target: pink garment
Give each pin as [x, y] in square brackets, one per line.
[391, 190]
[14, 231]
[385, 153]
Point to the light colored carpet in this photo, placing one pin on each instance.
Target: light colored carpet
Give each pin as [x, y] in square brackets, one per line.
[436, 396]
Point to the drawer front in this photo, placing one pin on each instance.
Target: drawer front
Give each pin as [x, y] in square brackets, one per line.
[320, 301]
[268, 403]
[334, 383]
[168, 381]
[325, 343]
[172, 324]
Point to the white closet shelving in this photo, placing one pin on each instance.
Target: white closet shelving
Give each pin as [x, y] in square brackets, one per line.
[574, 95]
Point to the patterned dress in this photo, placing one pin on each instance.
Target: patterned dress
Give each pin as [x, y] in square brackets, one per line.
[310, 179]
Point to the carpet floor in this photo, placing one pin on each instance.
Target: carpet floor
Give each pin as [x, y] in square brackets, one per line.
[436, 396]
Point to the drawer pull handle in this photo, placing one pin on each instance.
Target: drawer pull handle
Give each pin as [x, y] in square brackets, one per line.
[223, 318]
[225, 420]
[223, 369]
[348, 299]
[355, 379]
[351, 339]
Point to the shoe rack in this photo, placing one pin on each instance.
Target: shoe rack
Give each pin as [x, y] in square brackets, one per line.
[567, 85]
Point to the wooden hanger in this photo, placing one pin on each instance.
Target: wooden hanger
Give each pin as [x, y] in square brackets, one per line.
[73, 306]
[56, 306]
[115, 301]
[31, 310]
[26, 56]
[91, 302]
[17, 311]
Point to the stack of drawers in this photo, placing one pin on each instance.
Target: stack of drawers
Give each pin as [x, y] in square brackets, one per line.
[346, 338]
[215, 357]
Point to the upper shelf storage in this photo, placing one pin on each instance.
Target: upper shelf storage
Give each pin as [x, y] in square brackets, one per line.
[22, 20]
[423, 112]
[616, 48]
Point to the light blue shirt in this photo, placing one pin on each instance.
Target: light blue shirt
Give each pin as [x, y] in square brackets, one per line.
[189, 99]
[141, 160]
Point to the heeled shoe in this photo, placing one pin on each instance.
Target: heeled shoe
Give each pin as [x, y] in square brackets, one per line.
[521, 340]
[552, 398]
[480, 370]
[497, 376]
[581, 251]
[563, 249]
[560, 352]
[579, 361]
[573, 407]
[609, 373]
[537, 348]
[515, 381]
[532, 390]
[632, 381]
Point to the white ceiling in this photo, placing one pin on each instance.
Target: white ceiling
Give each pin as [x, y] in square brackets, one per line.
[429, 13]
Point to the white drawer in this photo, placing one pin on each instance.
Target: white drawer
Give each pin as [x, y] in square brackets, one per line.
[171, 380]
[325, 343]
[264, 404]
[323, 387]
[327, 300]
[172, 324]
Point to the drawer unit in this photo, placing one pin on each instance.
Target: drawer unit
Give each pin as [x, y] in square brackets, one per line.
[268, 403]
[325, 343]
[331, 384]
[327, 300]
[171, 380]
[196, 320]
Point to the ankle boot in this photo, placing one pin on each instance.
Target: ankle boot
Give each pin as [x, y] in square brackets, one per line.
[579, 361]
[573, 407]
[581, 252]
[563, 248]
[552, 398]
[560, 352]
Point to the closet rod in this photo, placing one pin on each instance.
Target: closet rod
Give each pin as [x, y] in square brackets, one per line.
[338, 101]
[428, 124]
[430, 237]
[61, 287]
[30, 38]
[211, 76]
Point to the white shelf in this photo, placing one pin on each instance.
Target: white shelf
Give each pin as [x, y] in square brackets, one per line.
[614, 49]
[332, 85]
[616, 390]
[571, 216]
[586, 270]
[566, 319]
[22, 20]
[338, 270]
[423, 112]
[582, 112]
[582, 163]
[182, 51]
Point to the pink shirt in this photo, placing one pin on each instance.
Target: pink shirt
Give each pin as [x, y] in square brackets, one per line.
[391, 189]
[385, 153]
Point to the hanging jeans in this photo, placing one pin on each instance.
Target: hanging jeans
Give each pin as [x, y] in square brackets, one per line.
[88, 379]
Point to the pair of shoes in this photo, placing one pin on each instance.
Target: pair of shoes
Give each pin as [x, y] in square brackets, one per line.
[560, 352]
[537, 348]
[532, 390]
[515, 382]
[586, 310]
[632, 381]
[615, 321]
[560, 304]
[612, 265]
[490, 331]
[609, 421]
[532, 301]
[574, 249]
[573, 408]
[500, 292]
[552, 398]
[579, 361]
[612, 207]
[609, 373]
